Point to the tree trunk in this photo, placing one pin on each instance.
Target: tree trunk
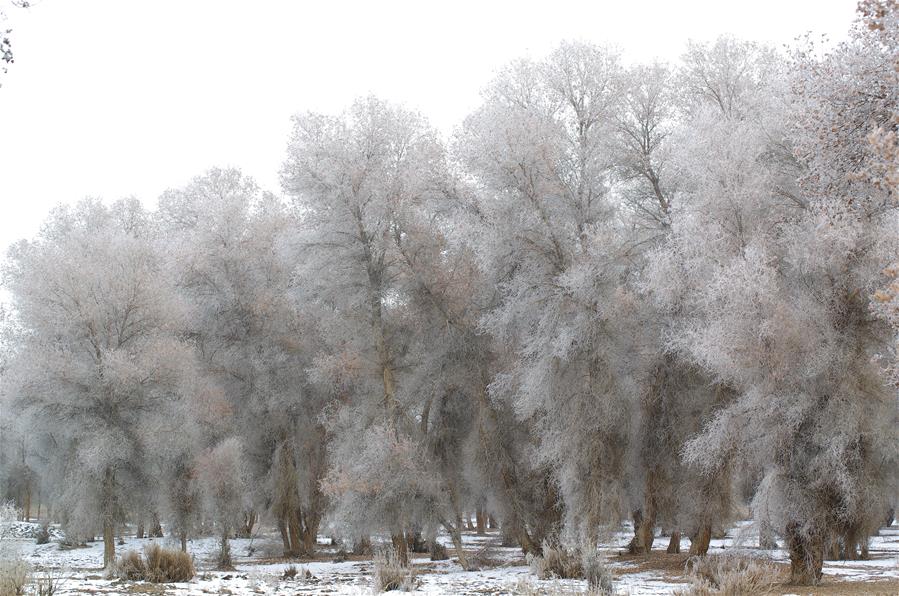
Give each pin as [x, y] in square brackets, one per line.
[644, 531]
[806, 556]
[108, 543]
[183, 542]
[26, 513]
[294, 531]
[456, 537]
[674, 543]
[156, 528]
[310, 532]
[108, 512]
[491, 522]
[850, 544]
[645, 519]
[699, 542]
[512, 524]
[767, 540]
[481, 522]
[139, 532]
[285, 538]
[400, 548]
[362, 546]
[225, 563]
[249, 521]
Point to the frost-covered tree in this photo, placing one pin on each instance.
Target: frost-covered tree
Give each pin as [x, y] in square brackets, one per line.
[98, 364]
[234, 259]
[351, 176]
[776, 256]
[541, 154]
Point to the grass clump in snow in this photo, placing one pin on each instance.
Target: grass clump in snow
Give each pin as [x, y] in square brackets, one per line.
[390, 574]
[728, 575]
[292, 572]
[526, 587]
[557, 562]
[158, 565]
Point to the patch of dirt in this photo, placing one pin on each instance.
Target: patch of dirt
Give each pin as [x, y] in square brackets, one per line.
[842, 588]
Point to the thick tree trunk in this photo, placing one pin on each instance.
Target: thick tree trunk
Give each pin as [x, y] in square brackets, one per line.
[156, 527]
[491, 522]
[139, 532]
[674, 543]
[310, 532]
[806, 556]
[644, 525]
[183, 542]
[481, 522]
[294, 533]
[699, 542]
[644, 530]
[400, 548]
[108, 543]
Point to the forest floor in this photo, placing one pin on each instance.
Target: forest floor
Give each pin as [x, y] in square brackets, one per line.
[260, 569]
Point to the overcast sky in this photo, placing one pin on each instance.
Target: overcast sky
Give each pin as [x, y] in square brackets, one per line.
[114, 98]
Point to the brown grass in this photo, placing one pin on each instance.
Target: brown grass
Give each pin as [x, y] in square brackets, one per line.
[158, 565]
[729, 575]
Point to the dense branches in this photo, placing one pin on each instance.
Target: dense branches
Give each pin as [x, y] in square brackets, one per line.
[644, 292]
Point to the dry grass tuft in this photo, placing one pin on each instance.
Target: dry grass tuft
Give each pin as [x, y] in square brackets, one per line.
[158, 565]
[557, 562]
[729, 575]
[391, 575]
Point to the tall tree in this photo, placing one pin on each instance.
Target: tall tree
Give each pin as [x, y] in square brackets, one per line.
[98, 364]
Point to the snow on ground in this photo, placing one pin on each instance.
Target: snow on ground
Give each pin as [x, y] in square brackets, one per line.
[260, 570]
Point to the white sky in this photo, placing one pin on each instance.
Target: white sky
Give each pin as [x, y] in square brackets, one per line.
[113, 98]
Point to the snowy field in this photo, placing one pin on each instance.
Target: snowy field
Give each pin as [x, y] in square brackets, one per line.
[259, 570]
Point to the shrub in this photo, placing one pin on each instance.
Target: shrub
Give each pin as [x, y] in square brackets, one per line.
[158, 565]
[597, 572]
[130, 566]
[438, 551]
[13, 576]
[556, 562]
[71, 543]
[168, 565]
[290, 572]
[728, 575]
[391, 575]
[42, 536]
[48, 583]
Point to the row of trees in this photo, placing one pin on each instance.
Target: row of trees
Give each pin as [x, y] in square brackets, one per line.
[618, 292]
